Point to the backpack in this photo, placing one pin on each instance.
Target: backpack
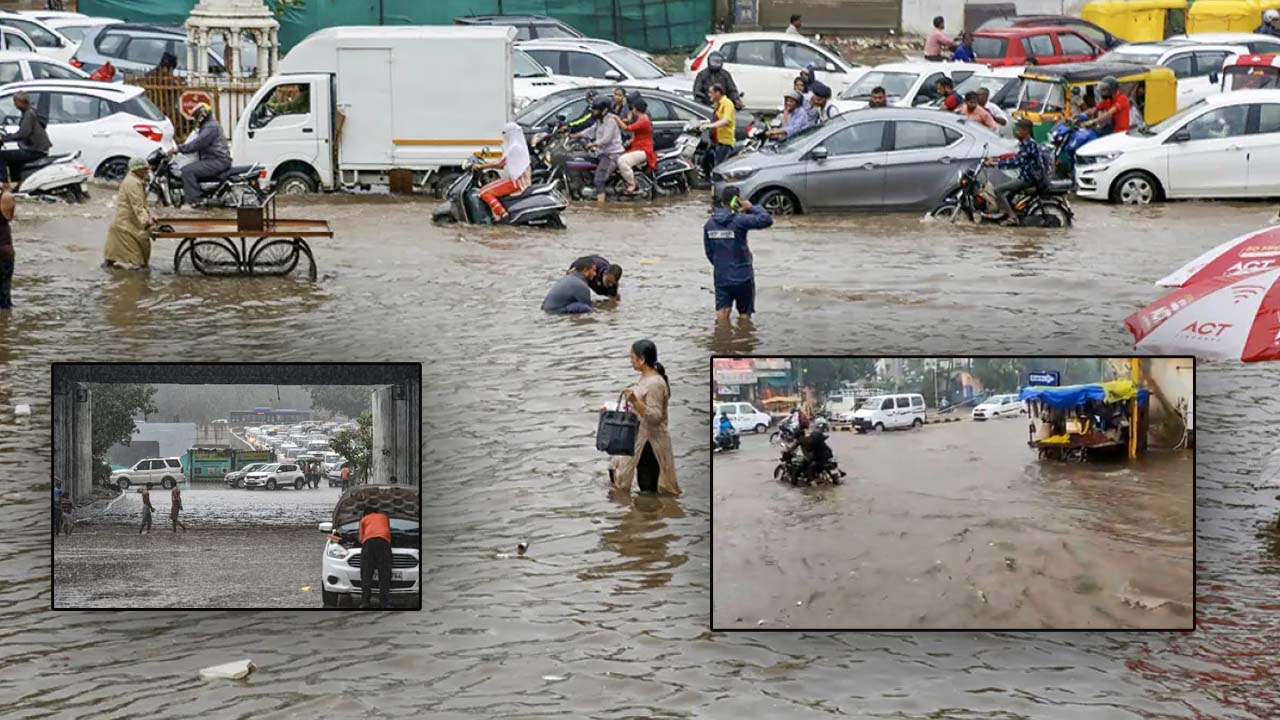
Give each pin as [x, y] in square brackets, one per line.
[1048, 166]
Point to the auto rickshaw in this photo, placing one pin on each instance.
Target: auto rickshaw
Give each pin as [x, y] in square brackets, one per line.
[1053, 93]
[1227, 15]
[1138, 20]
[1251, 72]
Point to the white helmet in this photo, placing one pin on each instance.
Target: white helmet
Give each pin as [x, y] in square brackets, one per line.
[1270, 16]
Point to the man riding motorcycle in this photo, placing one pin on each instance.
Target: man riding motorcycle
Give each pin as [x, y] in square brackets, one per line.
[725, 437]
[816, 453]
[715, 74]
[1031, 171]
[214, 154]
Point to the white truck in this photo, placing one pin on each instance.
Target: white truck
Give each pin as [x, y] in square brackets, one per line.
[351, 104]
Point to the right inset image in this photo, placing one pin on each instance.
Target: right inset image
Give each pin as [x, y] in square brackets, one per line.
[953, 493]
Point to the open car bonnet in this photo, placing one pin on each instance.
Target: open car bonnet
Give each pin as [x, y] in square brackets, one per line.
[393, 500]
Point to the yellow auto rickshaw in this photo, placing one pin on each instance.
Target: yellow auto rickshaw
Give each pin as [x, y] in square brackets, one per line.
[1227, 15]
[1053, 93]
[1138, 20]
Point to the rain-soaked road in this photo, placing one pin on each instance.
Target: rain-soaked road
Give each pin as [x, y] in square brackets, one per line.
[242, 548]
[608, 614]
[953, 525]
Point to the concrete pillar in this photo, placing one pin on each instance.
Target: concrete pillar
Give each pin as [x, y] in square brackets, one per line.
[396, 413]
[260, 39]
[233, 41]
[202, 47]
[72, 440]
[274, 42]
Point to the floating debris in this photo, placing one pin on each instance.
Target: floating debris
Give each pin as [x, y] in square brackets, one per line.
[237, 670]
[554, 678]
[1010, 562]
[20, 410]
[306, 588]
[522, 548]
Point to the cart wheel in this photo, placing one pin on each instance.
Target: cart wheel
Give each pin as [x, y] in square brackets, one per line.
[184, 249]
[215, 257]
[276, 257]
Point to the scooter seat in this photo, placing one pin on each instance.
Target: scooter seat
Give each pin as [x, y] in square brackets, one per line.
[1060, 186]
[235, 170]
[46, 160]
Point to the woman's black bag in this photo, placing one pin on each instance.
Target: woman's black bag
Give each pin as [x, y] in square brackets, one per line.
[617, 431]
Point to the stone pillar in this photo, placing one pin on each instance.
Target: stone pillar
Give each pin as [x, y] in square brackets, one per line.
[396, 411]
[73, 440]
[191, 51]
[275, 51]
[202, 47]
[233, 41]
[261, 38]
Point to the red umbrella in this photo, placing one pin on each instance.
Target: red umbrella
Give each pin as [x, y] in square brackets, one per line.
[1250, 253]
[1219, 317]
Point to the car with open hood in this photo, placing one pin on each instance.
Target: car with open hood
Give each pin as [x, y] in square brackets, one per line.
[341, 556]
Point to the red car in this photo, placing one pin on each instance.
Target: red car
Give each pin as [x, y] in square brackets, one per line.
[1033, 46]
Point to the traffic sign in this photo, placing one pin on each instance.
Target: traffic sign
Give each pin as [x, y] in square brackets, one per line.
[1043, 377]
[191, 99]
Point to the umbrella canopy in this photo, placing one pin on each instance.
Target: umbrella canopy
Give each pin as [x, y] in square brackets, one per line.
[1218, 318]
[1250, 253]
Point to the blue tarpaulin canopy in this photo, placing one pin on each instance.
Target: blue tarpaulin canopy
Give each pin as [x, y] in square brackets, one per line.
[1074, 395]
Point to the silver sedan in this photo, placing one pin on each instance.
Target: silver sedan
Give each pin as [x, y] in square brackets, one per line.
[873, 159]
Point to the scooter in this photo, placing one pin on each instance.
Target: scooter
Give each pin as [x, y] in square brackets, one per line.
[1066, 138]
[538, 205]
[237, 186]
[975, 200]
[54, 177]
[724, 443]
[676, 168]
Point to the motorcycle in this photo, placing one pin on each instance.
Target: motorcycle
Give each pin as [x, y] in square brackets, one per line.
[237, 186]
[538, 205]
[676, 168]
[784, 435]
[722, 442]
[1066, 138]
[793, 468]
[578, 168]
[54, 177]
[975, 199]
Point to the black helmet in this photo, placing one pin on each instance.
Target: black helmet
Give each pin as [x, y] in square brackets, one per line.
[601, 104]
[820, 90]
[633, 96]
[1107, 86]
[715, 61]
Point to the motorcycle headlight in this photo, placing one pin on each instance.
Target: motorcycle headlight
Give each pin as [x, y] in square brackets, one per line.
[738, 174]
[336, 551]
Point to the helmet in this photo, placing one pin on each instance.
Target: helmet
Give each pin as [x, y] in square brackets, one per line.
[1270, 16]
[633, 96]
[820, 90]
[793, 95]
[1107, 86]
[601, 104]
[201, 112]
[715, 61]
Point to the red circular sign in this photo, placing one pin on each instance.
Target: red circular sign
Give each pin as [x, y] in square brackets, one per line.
[191, 99]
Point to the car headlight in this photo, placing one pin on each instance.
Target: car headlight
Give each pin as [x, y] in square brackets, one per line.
[1104, 158]
[336, 551]
[737, 174]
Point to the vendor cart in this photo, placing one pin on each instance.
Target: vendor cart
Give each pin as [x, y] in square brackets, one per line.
[254, 242]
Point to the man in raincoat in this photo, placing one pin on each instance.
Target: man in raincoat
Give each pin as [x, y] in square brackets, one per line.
[129, 237]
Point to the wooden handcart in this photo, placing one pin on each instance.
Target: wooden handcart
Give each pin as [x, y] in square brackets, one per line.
[266, 245]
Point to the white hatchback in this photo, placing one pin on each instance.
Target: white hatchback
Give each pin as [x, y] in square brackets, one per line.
[906, 84]
[18, 66]
[1221, 147]
[764, 65]
[107, 123]
[341, 557]
[998, 406]
[47, 40]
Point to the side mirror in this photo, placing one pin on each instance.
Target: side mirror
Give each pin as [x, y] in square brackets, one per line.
[1213, 78]
[326, 527]
[831, 67]
[548, 69]
[561, 117]
[1181, 136]
[819, 153]
[613, 75]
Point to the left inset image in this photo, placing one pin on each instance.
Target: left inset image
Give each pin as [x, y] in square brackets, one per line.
[236, 485]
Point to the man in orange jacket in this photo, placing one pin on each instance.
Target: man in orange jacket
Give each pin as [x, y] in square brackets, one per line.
[375, 554]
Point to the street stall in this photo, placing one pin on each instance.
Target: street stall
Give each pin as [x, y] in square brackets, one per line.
[1078, 422]
[255, 242]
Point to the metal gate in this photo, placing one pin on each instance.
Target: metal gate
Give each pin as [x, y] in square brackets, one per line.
[833, 15]
[230, 100]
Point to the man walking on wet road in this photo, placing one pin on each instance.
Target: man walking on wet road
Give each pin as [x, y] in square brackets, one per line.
[146, 510]
[724, 238]
[175, 507]
[375, 554]
[346, 477]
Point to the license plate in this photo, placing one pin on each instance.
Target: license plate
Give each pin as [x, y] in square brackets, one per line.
[397, 575]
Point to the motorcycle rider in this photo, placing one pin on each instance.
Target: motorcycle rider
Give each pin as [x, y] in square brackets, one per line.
[1111, 114]
[817, 453]
[725, 437]
[640, 145]
[33, 141]
[1270, 24]
[214, 154]
[606, 140]
[715, 74]
[796, 117]
[515, 160]
[588, 117]
[823, 108]
[1031, 170]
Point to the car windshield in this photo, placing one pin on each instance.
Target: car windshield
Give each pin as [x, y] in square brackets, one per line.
[634, 65]
[993, 83]
[792, 141]
[525, 66]
[1042, 96]
[1243, 77]
[1172, 121]
[267, 468]
[873, 402]
[896, 84]
[1131, 57]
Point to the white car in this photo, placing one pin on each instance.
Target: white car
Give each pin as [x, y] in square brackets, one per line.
[998, 406]
[165, 472]
[276, 476]
[764, 65]
[744, 416]
[533, 81]
[341, 557]
[906, 84]
[18, 66]
[1221, 147]
[1198, 67]
[603, 62]
[46, 39]
[107, 123]
[1256, 43]
[14, 39]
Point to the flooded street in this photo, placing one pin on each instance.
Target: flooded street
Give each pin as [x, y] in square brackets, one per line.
[950, 526]
[608, 614]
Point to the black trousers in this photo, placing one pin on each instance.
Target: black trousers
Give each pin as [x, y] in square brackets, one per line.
[6, 283]
[648, 470]
[15, 160]
[375, 554]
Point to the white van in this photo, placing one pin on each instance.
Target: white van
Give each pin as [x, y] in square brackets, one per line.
[744, 417]
[889, 412]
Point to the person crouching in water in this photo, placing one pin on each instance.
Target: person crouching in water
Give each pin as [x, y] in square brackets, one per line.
[515, 160]
[129, 237]
[571, 294]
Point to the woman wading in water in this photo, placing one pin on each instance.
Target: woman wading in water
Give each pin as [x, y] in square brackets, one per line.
[653, 463]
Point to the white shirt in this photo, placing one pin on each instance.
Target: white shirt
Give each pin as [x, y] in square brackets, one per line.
[791, 30]
[997, 113]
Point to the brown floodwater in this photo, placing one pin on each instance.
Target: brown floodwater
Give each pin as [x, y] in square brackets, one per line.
[954, 525]
[608, 614]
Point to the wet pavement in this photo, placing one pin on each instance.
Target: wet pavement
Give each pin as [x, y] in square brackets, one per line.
[608, 614]
[951, 526]
[242, 548]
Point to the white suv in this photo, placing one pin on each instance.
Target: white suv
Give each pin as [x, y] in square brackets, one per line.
[165, 471]
[340, 559]
[276, 476]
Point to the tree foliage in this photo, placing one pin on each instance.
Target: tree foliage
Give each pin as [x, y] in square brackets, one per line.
[114, 407]
[349, 400]
[357, 445]
[825, 375]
